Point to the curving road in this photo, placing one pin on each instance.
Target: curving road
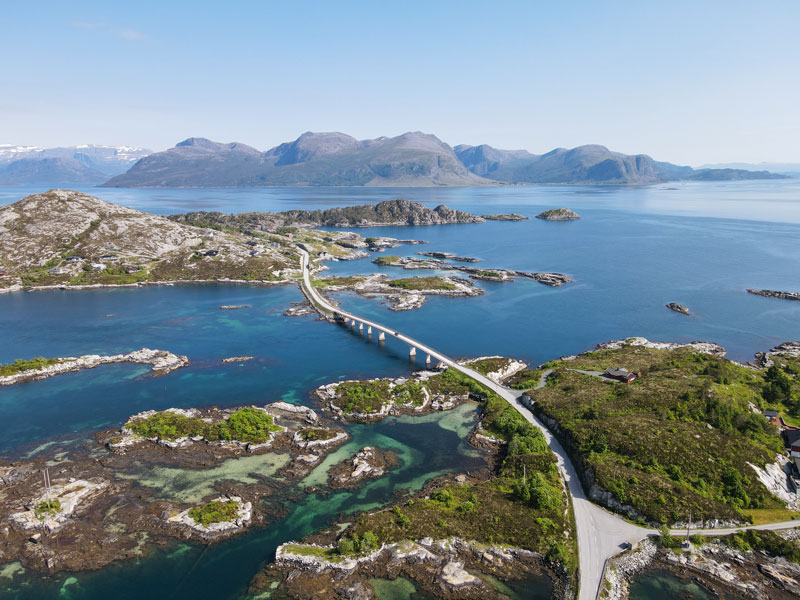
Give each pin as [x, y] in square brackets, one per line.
[601, 533]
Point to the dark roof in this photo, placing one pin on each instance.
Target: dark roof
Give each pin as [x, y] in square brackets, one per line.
[791, 436]
[771, 413]
[618, 372]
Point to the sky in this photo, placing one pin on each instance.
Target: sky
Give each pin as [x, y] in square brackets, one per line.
[687, 82]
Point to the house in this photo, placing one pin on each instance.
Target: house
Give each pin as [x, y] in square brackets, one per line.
[97, 266]
[2, 272]
[255, 253]
[773, 416]
[621, 374]
[74, 259]
[109, 258]
[131, 270]
[58, 271]
[212, 252]
[252, 243]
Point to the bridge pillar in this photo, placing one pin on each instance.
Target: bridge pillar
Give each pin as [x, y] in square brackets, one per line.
[353, 323]
[412, 351]
[369, 330]
[428, 359]
[382, 336]
[361, 327]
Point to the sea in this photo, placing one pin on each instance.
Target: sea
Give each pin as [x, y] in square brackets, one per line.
[635, 249]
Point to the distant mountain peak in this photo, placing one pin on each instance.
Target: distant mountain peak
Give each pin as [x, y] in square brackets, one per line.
[413, 158]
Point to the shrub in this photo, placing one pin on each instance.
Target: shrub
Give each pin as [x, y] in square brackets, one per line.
[216, 511]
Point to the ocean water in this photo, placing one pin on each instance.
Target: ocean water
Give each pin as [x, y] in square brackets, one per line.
[700, 244]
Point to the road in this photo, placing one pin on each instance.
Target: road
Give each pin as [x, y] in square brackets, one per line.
[601, 533]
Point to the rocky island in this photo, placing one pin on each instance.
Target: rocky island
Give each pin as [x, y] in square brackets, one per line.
[387, 213]
[775, 294]
[449, 256]
[412, 263]
[368, 463]
[505, 217]
[679, 308]
[400, 294]
[19, 371]
[559, 214]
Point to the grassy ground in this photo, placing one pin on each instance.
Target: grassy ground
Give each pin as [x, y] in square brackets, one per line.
[385, 261]
[525, 379]
[337, 281]
[421, 283]
[678, 440]
[762, 516]
[21, 365]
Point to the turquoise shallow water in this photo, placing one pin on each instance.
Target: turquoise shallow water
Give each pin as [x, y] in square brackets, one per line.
[635, 250]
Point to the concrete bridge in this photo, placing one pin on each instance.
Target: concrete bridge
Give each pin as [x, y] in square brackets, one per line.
[601, 533]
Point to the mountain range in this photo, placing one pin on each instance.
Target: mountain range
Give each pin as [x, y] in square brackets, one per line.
[77, 164]
[336, 159]
[411, 159]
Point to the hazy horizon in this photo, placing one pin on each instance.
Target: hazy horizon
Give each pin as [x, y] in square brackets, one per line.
[686, 83]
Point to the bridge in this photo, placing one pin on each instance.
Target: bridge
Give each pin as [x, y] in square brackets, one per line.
[601, 534]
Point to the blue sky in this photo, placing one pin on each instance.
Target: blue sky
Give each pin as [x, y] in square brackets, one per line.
[688, 82]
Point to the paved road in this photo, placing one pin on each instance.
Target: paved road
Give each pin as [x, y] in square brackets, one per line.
[601, 533]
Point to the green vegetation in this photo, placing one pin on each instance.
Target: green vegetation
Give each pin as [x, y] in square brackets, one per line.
[485, 366]
[247, 424]
[216, 511]
[359, 544]
[47, 508]
[387, 261]
[676, 441]
[526, 379]
[524, 506]
[285, 230]
[362, 396]
[764, 541]
[21, 365]
[491, 274]
[421, 283]
[366, 397]
[312, 434]
[337, 281]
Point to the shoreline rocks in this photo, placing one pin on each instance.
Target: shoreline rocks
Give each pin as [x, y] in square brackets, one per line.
[369, 463]
[701, 347]
[161, 361]
[558, 214]
[443, 568]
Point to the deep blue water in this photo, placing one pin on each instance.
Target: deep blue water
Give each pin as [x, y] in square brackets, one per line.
[634, 250]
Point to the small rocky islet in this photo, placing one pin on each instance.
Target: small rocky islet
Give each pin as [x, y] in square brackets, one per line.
[679, 308]
[558, 214]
